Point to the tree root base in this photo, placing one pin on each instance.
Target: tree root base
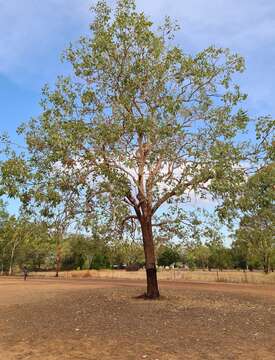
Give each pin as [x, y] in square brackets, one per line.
[144, 296]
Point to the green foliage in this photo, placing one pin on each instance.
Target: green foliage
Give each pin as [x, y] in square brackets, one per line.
[169, 255]
[126, 252]
[212, 255]
[201, 256]
[136, 121]
[100, 261]
[256, 230]
[22, 242]
[220, 257]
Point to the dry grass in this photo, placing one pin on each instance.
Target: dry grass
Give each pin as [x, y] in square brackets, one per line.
[173, 274]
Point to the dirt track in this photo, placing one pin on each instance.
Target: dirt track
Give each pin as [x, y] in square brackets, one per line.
[100, 319]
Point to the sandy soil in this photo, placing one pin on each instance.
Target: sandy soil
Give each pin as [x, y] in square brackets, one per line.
[101, 319]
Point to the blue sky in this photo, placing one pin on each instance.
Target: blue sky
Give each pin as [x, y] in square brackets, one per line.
[33, 34]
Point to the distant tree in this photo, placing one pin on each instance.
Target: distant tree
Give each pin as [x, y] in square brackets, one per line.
[220, 256]
[240, 255]
[169, 255]
[36, 248]
[3, 238]
[202, 254]
[131, 252]
[18, 237]
[257, 223]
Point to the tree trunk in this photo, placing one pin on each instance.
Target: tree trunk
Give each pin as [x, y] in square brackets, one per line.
[150, 259]
[58, 256]
[12, 258]
[2, 263]
[266, 263]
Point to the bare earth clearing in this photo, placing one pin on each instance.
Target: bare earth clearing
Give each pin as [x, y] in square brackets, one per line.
[101, 319]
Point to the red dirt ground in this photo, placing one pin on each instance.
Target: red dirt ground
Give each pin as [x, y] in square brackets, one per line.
[87, 319]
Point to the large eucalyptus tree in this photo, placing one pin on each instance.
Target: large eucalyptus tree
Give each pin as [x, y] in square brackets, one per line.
[140, 123]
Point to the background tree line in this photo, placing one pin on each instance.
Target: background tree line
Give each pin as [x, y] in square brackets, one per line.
[24, 242]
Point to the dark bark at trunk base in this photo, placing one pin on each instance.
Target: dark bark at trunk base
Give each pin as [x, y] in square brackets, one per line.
[152, 284]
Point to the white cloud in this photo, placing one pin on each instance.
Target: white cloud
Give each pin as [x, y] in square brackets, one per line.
[220, 20]
[33, 33]
[246, 27]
